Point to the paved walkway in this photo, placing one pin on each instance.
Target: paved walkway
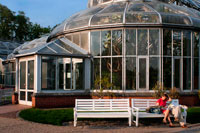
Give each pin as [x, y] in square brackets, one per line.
[12, 124]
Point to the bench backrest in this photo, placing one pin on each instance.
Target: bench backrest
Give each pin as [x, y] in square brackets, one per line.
[146, 103]
[102, 105]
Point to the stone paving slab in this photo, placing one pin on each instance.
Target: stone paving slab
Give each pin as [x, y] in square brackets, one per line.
[8, 125]
[12, 108]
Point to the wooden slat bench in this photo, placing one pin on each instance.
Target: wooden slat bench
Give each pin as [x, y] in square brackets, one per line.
[102, 108]
[139, 107]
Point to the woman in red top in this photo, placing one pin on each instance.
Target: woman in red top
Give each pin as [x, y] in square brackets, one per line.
[163, 102]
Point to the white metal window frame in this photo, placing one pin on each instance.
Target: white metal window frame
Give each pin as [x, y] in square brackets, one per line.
[26, 90]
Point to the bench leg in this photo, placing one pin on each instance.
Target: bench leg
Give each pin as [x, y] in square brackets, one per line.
[137, 120]
[75, 120]
[129, 121]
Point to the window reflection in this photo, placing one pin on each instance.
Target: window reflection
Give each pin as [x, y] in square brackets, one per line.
[196, 74]
[186, 43]
[130, 73]
[167, 72]
[142, 42]
[177, 43]
[187, 74]
[154, 46]
[117, 42]
[117, 73]
[106, 43]
[95, 43]
[154, 66]
[48, 73]
[167, 42]
[130, 42]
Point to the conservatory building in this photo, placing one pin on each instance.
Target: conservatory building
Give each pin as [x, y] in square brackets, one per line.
[132, 44]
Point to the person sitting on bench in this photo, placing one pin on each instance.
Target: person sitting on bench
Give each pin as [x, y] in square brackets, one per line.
[163, 103]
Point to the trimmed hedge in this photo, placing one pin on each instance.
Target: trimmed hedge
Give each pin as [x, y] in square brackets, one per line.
[59, 116]
[193, 115]
[54, 117]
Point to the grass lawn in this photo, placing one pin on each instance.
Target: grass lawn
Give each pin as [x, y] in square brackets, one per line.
[58, 116]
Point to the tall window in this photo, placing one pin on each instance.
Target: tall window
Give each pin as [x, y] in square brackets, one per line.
[48, 73]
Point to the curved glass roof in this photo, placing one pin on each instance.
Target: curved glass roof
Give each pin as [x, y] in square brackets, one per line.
[130, 13]
[58, 47]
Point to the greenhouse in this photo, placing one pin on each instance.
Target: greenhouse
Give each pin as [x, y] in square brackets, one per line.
[133, 44]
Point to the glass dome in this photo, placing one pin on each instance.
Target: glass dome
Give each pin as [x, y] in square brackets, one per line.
[133, 13]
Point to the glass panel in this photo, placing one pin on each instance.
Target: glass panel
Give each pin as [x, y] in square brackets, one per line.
[177, 43]
[30, 75]
[187, 74]
[196, 44]
[110, 15]
[142, 17]
[106, 43]
[48, 73]
[69, 37]
[106, 68]
[177, 73]
[138, 8]
[22, 95]
[154, 45]
[61, 76]
[23, 75]
[175, 19]
[76, 39]
[69, 76]
[142, 73]
[79, 22]
[196, 74]
[186, 43]
[96, 71]
[154, 65]
[142, 42]
[117, 42]
[84, 40]
[117, 73]
[167, 72]
[30, 96]
[167, 42]
[95, 43]
[130, 73]
[130, 42]
[79, 76]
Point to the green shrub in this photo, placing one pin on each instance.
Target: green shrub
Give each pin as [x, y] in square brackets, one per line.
[158, 90]
[193, 115]
[54, 117]
[102, 85]
[174, 93]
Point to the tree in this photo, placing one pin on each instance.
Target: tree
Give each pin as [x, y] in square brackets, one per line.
[22, 26]
[6, 23]
[18, 27]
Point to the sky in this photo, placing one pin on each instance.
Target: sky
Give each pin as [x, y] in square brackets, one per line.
[46, 12]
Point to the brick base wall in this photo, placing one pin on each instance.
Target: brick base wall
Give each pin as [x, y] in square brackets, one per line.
[69, 101]
[55, 101]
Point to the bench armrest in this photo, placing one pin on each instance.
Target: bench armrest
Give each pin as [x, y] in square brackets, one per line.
[135, 109]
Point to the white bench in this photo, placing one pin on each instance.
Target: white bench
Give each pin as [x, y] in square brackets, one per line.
[102, 108]
[139, 107]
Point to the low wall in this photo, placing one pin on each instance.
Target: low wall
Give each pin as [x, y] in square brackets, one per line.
[60, 100]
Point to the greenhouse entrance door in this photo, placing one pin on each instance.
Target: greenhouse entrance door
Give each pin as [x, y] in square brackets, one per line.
[26, 85]
[142, 73]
